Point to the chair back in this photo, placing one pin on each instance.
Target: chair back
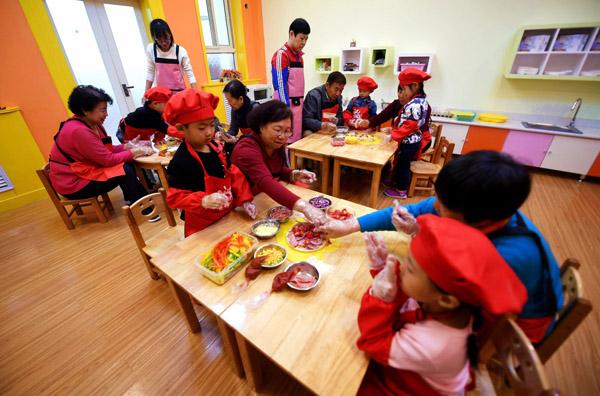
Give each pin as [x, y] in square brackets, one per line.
[522, 366]
[44, 175]
[571, 314]
[436, 134]
[443, 153]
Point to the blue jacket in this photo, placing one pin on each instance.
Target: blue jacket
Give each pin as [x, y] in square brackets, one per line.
[520, 252]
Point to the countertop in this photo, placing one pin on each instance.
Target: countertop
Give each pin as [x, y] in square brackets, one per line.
[514, 124]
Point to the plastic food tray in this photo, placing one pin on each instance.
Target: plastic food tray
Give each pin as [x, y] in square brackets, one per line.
[227, 272]
[489, 117]
[464, 115]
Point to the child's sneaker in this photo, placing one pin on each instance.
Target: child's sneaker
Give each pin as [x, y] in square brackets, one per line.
[393, 193]
[389, 184]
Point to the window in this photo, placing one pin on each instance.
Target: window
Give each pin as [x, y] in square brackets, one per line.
[218, 38]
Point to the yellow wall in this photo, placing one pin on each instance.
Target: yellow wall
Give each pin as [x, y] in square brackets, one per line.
[19, 157]
[471, 41]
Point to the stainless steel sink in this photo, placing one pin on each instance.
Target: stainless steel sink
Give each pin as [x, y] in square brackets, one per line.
[551, 127]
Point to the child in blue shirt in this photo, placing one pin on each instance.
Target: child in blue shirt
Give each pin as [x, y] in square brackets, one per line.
[361, 107]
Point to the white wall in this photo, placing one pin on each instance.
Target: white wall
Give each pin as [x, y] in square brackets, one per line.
[471, 40]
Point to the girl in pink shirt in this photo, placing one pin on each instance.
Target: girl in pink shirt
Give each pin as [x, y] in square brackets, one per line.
[416, 320]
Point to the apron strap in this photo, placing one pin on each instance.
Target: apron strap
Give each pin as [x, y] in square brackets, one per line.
[522, 230]
[67, 156]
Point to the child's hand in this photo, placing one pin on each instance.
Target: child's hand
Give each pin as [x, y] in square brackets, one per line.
[385, 283]
[404, 221]
[363, 123]
[386, 130]
[388, 138]
[215, 201]
[304, 176]
[250, 209]
[377, 251]
[339, 228]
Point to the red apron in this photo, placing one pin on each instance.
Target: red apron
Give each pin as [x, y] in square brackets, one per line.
[360, 113]
[168, 71]
[89, 171]
[333, 110]
[389, 381]
[202, 218]
[144, 133]
[296, 95]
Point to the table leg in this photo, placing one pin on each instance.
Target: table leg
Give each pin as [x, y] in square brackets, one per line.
[336, 178]
[324, 174]
[140, 174]
[162, 175]
[375, 186]
[228, 336]
[251, 362]
[185, 305]
[292, 159]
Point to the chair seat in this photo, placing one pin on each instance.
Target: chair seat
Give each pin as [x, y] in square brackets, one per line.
[164, 240]
[425, 168]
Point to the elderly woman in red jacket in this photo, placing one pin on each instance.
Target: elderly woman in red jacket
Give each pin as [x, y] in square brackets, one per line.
[260, 155]
[83, 161]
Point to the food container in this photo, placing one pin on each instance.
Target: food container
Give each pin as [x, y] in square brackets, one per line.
[280, 213]
[340, 212]
[464, 115]
[320, 202]
[271, 246]
[418, 66]
[342, 129]
[303, 268]
[227, 272]
[489, 117]
[338, 141]
[266, 228]
[351, 139]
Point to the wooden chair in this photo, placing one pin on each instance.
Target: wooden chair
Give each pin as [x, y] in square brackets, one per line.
[428, 171]
[162, 240]
[572, 313]
[61, 203]
[436, 134]
[521, 366]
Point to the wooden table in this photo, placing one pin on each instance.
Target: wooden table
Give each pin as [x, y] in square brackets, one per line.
[316, 147]
[153, 162]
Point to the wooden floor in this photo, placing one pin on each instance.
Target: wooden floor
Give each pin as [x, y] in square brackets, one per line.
[80, 315]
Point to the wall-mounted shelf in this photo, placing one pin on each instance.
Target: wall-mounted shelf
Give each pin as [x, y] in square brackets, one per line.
[327, 63]
[351, 60]
[382, 56]
[418, 61]
[558, 52]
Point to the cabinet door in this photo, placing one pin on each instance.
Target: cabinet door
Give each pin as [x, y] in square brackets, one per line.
[483, 138]
[595, 169]
[455, 134]
[527, 148]
[569, 154]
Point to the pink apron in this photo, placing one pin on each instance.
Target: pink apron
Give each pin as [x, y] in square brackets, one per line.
[168, 71]
[296, 94]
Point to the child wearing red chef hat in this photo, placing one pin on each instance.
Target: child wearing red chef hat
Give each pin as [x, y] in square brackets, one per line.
[361, 107]
[203, 184]
[416, 319]
[147, 120]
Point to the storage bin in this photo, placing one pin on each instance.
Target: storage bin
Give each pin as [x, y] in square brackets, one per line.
[418, 66]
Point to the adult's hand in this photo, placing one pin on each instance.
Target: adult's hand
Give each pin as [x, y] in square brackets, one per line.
[304, 176]
[338, 228]
[386, 130]
[141, 151]
[328, 127]
[312, 214]
[333, 120]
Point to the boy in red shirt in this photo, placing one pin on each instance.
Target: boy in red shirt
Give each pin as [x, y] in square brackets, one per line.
[147, 121]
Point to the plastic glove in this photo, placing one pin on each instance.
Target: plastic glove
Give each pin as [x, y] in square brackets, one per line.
[225, 137]
[250, 209]
[312, 214]
[363, 123]
[215, 201]
[304, 176]
[352, 123]
[339, 228]
[388, 138]
[131, 143]
[386, 130]
[377, 251]
[328, 126]
[333, 120]
[404, 221]
[141, 151]
[385, 283]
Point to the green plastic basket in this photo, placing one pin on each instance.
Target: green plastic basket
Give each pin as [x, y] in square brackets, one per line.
[464, 115]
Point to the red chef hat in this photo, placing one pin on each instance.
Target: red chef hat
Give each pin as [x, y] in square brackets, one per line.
[158, 94]
[189, 106]
[367, 84]
[412, 75]
[463, 262]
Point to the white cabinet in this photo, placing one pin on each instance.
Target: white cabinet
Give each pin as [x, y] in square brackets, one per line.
[352, 60]
[456, 134]
[570, 154]
[559, 52]
[418, 61]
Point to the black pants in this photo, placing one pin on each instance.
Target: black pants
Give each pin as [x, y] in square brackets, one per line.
[402, 169]
[129, 183]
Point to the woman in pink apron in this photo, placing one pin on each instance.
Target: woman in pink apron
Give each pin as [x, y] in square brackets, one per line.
[83, 161]
[417, 319]
[167, 61]
[201, 183]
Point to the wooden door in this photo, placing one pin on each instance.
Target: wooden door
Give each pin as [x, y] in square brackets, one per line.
[484, 138]
[527, 148]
